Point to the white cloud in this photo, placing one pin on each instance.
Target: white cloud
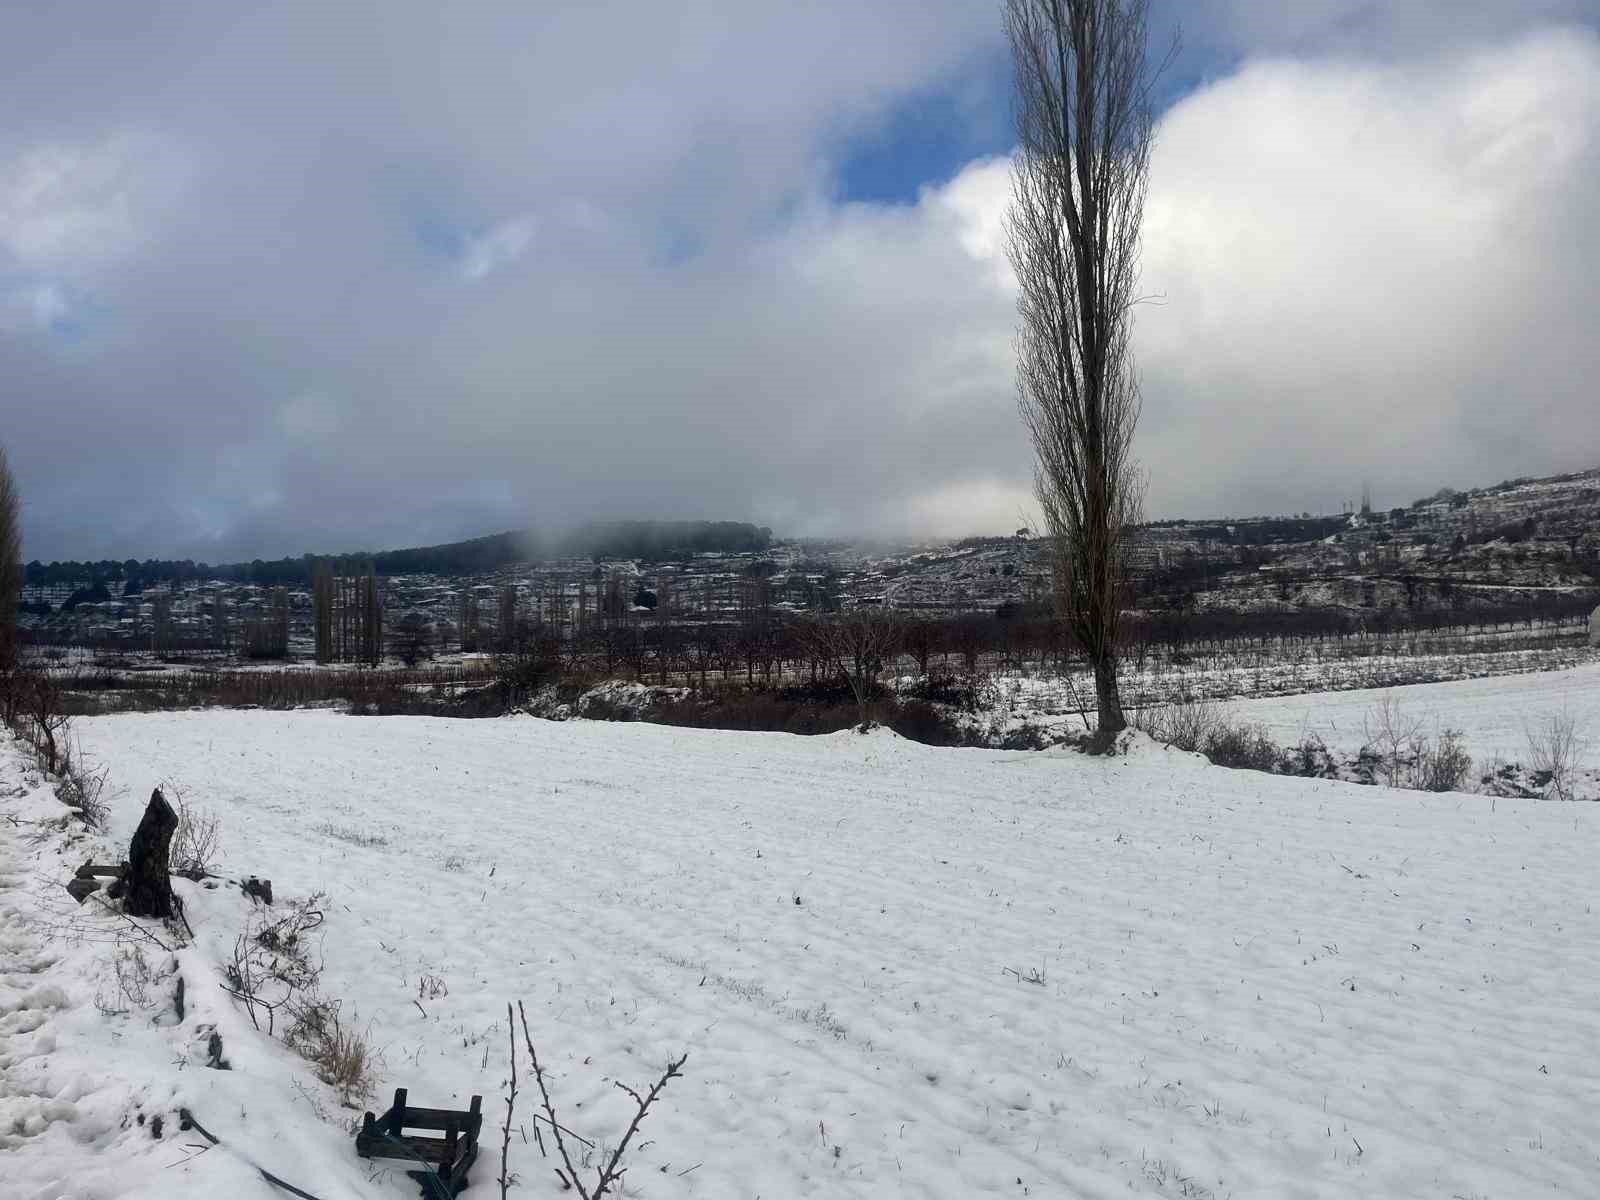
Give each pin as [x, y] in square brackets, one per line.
[34, 307]
[1388, 30]
[497, 247]
[63, 205]
[1366, 272]
[1375, 265]
[69, 213]
[1373, 272]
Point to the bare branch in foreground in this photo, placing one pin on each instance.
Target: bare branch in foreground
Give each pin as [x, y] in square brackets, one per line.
[610, 1175]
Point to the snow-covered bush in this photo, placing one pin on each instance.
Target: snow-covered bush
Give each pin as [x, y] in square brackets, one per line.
[1442, 763]
[1401, 752]
[1310, 758]
[1243, 747]
[1554, 749]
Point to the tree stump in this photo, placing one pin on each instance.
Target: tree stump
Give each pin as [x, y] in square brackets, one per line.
[147, 890]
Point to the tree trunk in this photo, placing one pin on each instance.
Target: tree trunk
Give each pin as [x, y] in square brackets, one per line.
[1108, 697]
[147, 888]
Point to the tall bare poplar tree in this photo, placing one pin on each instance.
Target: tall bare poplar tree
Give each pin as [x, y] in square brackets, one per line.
[1084, 131]
[10, 569]
[368, 646]
[505, 628]
[469, 619]
[322, 589]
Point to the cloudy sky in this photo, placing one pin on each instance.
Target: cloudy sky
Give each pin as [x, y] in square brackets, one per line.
[326, 276]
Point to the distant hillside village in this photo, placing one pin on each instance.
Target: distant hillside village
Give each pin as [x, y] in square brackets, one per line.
[1520, 549]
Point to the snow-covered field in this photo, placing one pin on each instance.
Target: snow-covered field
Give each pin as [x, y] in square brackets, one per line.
[1284, 671]
[896, 970]
[1494, 716]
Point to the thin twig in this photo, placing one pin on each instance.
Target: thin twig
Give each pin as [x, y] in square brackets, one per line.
[511, 1104]
[613, 1173]
[537, 1117]
[571, 1176]
[182, 917]
[106, 905]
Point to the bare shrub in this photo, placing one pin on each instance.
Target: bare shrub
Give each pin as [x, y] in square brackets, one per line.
[1310, 758]
[272, 968]
[251, 980]
[35, 706]
[275, 970]
[1442, 763]
[1554, 750]
[1403, 754]
[1395, 737]
[858, 645]
[1026, 736]
[343, 1057]
[971, 691]
[529, 659]
[287, 936]
[1201, 726]
[927, 723]
[1186, 724]
[198, 838]
[82, 786]
[44, 723]
[1243, 748]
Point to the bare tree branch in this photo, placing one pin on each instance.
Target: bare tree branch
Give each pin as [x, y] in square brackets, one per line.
[859, 645]
[609, 1176]
[549, 1108]
[511, 1107]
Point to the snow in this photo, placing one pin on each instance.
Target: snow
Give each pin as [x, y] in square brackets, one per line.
[1494, 715]
[897, 970]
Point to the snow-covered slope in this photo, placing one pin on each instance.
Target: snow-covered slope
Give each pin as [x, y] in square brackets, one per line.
[1495, 716]
[897, 970]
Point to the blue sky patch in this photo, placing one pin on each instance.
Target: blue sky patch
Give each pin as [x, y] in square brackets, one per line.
[926, 139]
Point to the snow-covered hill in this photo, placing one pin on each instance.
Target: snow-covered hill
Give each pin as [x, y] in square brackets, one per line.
[896, 970]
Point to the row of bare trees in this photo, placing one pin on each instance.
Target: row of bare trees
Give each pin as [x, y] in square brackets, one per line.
[265, 632]
[347, 616]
